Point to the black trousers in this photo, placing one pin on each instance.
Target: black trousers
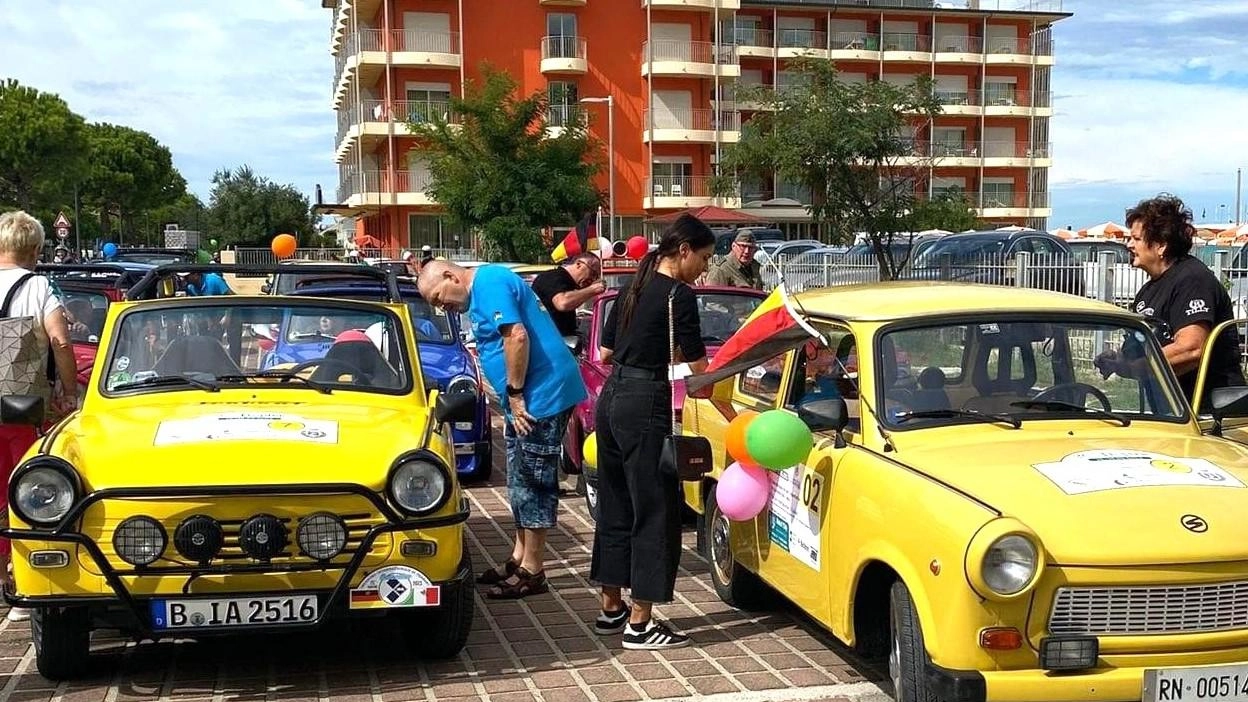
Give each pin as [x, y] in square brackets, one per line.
[637, 535]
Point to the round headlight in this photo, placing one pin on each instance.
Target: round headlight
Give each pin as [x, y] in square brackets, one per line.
[321, 536]
[139, 541]
[419, 486]
[1009, 564]
[461, 383]
[43, 495]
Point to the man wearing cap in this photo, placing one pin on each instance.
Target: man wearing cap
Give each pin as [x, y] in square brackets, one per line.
[739, 269]
[426, 254]
[200, 283]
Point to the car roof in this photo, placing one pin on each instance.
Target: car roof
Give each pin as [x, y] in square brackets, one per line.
[896, 300]
[340, 287]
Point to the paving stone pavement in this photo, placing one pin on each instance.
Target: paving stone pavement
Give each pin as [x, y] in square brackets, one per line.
[539, 648]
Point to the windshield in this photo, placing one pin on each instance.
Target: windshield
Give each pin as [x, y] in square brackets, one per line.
[432, 324]
[84, 312]
[720, 314]
[1022, 369]
[963, 250]
[154, 258]
[331, 346]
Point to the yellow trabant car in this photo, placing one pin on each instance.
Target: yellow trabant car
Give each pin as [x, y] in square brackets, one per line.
[987, 510]
[196, 494]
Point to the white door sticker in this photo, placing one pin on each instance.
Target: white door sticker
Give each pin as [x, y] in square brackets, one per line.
[246, 426]
[1118, 469]
[793, 523]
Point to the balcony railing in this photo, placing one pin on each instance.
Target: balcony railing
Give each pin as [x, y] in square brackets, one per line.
[699, 120]
[855, 41]
[957, 97]
[749, 36]
[400, 111]
[980, 5]
[802, 39]
[682, 186]
[941, 148]
[354, 182]
[1014, 45]
[560, 116]
[563, 46]
[898, 41]
[1005, 95]
[687, 51]
[394, 40]
[1009, 200]
[1016, 149]
[959, 45]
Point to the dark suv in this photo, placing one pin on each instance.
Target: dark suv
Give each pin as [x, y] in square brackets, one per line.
[990, 257]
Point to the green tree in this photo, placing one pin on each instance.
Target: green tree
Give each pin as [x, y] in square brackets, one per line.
[130, 174]
[43, 148]
[188, 212]
[950, 211]
[249, 210]
[497, 172]
[843, 141]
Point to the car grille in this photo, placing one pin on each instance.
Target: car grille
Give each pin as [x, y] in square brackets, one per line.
[1180, 609]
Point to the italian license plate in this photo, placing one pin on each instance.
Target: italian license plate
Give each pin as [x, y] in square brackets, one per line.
[233, 611]
[1226, 683]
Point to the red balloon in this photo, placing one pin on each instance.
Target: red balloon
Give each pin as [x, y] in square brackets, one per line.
[638, 247]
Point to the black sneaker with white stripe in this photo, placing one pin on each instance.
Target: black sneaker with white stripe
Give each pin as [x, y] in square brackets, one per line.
[652, 636]
[611, 622]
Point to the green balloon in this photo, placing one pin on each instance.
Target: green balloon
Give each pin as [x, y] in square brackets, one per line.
[778, 440]
[212, 242]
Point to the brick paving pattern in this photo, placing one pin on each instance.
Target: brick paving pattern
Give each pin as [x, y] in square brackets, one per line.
[539, 648]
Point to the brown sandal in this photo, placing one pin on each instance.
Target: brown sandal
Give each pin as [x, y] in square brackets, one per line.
[493, 576]
[522, 583]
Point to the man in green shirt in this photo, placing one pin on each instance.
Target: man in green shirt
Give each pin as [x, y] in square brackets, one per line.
[739, 269]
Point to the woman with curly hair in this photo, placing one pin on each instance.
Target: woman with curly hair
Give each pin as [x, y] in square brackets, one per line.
[1182, 296]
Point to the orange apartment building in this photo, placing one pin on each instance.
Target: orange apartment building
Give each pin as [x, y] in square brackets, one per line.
[672, 68]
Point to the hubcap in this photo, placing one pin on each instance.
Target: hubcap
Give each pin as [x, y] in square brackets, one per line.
[894, 658]
[721, 547]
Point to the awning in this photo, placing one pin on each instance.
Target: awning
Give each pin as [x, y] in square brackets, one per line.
[710, 215]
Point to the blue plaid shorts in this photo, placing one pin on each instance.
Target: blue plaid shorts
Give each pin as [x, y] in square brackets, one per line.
[533, 471]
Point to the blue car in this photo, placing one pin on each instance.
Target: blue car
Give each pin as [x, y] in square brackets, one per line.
[444, 359]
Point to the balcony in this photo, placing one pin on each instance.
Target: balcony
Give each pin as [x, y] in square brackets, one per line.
[1021, 154]
[366, 53]
[700, 5]
[753, 42]
[679, 192]
[564, 55]
[1017, 52]
[896, 46]
[691, 127]
[370, 122]
[959, 50]
[1005, 204]
[374, 189]
[793, 43]
[560, 117]
[669, 57]
[952, 154]
[562, 3]
[959, 101]
[854, 46]
[1002, 100]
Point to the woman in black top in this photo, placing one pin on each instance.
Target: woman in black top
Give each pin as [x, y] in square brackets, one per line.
[637, 535]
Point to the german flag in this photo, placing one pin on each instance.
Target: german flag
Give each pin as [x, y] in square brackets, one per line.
[581, 240]
[774, 328]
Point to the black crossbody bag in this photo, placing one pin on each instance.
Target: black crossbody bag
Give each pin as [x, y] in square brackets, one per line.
[687, 456]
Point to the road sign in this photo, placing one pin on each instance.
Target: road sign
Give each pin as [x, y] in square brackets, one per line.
[62, 222]
[62, 233]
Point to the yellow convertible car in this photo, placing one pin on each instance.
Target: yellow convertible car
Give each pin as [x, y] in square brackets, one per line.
[983, 506]
[196, 494]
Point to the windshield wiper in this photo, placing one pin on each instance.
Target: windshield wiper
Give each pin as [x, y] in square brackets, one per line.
[169, 380]
[1060, 405]
[946, 413]
[284, 375]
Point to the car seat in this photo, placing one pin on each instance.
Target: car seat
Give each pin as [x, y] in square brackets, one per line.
[997, 391]
[931, 394]
[358, 354]
[196, 354]
[889, 375]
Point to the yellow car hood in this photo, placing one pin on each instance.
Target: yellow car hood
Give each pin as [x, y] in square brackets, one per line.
[240, 443]
[1106, 499]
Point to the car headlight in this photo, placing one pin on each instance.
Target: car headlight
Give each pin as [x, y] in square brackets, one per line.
[1010, 564]
[321, 536]
[419, 485]
[139, 541]
[44, 493]
[461, 383]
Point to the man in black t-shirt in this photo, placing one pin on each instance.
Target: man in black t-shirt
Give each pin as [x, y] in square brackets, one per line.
[562, 290]
[1182, 296]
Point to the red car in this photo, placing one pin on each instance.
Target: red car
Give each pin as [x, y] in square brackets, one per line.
[722, 310]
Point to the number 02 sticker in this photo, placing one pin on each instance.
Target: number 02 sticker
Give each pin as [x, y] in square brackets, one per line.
[812, 488]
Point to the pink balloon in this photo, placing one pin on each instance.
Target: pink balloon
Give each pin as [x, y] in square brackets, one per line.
[637, 247]
[743, 492]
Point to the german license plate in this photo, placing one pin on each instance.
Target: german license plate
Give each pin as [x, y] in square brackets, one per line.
[1226, 683]
[233, 611]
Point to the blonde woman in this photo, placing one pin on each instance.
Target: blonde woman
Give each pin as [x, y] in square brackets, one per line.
[21, 239]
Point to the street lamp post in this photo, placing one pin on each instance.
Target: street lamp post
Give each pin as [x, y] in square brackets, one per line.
[610, 100]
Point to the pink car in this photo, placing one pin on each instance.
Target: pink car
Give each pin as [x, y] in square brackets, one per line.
[722, 310]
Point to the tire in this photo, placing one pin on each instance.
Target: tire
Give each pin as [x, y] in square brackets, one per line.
[733, 583]
[62, 638]
[907, 655]
[591, 494]
[485, 460]
[443, 633]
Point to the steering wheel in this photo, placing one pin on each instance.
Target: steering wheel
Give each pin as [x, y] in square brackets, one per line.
[356, 373]
[1056, 393]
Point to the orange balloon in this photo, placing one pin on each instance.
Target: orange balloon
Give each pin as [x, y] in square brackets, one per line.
[284, 245]
[734, 437]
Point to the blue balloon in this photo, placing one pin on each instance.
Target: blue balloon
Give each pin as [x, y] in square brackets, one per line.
[110, 250]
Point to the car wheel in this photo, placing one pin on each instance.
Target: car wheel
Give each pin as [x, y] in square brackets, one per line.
[733, 583]
[62, 638]
[590, 486]
[485, 459]
[443, 632]
[907, 654]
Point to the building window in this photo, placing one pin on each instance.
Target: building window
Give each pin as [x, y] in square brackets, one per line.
[672, 179]
[998, 192]
[423, 105]
[561, 33]
[563, 106]
[435, 230]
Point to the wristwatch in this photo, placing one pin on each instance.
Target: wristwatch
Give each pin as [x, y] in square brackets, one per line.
[513, 392]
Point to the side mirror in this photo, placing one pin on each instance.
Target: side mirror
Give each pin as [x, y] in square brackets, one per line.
[1227, 403]
[22, 409]
[826, 415]
[455, 407]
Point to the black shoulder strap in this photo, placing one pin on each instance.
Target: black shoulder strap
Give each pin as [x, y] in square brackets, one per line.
[8, 299]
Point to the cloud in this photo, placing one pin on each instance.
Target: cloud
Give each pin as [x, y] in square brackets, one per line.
[220, 82]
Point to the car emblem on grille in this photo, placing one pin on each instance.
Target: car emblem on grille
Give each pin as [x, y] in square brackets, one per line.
[1194, 524]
